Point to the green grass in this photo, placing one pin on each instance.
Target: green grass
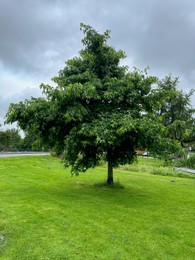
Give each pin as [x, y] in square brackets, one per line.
[156, 167]
[187, 162]
[47, 214]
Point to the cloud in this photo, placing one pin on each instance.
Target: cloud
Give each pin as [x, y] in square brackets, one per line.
[15, 98]
[38, 36]
[33, 33]
[168, 40]
[14, 88]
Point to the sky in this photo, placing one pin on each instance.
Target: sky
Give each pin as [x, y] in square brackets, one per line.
[38, 36]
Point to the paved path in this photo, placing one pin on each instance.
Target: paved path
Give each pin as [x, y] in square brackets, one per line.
[185, 169]
[12, 154]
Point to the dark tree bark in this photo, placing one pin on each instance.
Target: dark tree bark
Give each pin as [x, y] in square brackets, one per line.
[110, 180]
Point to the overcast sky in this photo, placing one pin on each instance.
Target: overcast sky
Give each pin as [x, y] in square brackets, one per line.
[38, 36]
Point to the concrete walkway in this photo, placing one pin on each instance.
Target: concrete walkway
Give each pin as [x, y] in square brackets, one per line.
[12, 154]
[184, 169]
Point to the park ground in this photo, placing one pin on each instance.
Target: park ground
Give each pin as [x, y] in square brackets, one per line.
[45, 213]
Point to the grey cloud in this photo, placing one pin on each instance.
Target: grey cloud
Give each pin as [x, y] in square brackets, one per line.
[34, 32]
[169, 39]
[17, 97]
[36, 37]
[156, 33]
[31, 30]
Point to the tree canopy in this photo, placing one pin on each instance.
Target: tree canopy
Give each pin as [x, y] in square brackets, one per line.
[175, 109]
[10, 140]
[97, 110]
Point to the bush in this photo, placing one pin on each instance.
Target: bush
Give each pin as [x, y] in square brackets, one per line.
[189, 163]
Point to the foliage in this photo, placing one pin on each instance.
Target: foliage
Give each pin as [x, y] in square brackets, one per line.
[46, 214]
[97, 110]
[191, 136]
[187, 162]
[175, 109]
[27, 142]
[156, 167]
[31, 143]
[10, 140]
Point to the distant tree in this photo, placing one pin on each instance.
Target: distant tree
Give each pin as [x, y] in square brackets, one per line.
[10, 140]
[4, 141]
[97, 111]
[15, 139]
[175, 109]
[190, 137]
[30, 142]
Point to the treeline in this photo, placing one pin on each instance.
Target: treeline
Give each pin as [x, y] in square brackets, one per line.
[11, 140]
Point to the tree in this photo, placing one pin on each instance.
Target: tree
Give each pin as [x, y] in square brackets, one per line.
[30, 143]
[98, 110]
[175, 110]
[10, 140]
[4, 140]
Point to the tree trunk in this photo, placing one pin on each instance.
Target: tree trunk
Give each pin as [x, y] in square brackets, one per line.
[110, 173]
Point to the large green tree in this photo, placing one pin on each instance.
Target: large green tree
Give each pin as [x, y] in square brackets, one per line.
[98, 110]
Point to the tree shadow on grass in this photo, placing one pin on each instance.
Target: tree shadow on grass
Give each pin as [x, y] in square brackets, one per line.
[93, 194]
[104, 184]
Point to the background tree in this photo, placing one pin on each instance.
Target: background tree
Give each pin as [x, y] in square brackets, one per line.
[98, 110]
[4, 141]
[10, 140]
[30, 142]
[175, 110]
[190, 137]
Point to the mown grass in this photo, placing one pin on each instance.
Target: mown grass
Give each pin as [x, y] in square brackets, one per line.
[47, 214]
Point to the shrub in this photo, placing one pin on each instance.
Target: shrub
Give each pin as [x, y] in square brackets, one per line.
[187, 162]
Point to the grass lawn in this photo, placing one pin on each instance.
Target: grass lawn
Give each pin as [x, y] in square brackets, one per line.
[47, 214]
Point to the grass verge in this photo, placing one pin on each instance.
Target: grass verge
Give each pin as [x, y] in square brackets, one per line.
[47, 214]
[155, 167]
